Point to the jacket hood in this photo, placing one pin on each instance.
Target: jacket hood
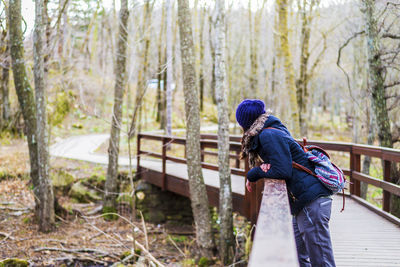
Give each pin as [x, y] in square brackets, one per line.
[274, 122]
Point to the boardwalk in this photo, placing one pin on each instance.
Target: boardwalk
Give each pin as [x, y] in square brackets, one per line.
[360, 237]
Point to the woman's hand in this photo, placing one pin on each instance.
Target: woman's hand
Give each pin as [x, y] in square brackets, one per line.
[265, 167]
[248, 186]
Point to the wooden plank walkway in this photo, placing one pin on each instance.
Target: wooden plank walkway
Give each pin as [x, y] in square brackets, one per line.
[360, 237]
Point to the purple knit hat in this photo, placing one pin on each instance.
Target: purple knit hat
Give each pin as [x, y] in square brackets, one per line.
[248, 111]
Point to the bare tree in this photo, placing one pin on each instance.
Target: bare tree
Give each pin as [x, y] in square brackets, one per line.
[120, 81]
[254, 27]
[307, 13]
[283, 6]
[46, 213]
[170, 74]
[5, 75]
[198, 193]
[44, 209]
[226, 241]
[377, 67]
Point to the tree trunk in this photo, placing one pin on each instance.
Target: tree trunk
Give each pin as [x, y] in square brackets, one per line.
[144, 54]
[46, 44]
[5, 79]
[376, 79]
[120, 80]
[44, 209]
[254, 30]
[170, 74]
[198, 193]
[302, 82]
[45, 190]
[201, 65]
[283, 6]
[161, 61]
[212, 51]
[226, 241]
[367, 159]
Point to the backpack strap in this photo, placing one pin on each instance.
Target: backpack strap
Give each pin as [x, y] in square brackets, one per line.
[304, 169]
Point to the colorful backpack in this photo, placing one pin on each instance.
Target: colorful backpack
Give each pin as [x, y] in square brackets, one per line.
[327, 172]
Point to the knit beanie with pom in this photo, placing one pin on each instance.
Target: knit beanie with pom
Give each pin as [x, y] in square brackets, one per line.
[248, 111]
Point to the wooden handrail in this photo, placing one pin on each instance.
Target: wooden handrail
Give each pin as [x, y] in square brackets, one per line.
[355, 151]
[274, 243]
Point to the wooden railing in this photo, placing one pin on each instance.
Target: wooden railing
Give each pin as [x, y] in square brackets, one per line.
[274, 242]
[252, 201]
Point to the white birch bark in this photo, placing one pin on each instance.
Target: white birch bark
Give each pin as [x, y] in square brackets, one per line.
[225, 189]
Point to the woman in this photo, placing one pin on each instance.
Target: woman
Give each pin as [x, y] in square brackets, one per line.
[265, 138]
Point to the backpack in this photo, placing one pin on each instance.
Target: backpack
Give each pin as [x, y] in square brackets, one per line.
[330, 175]
[327, 172]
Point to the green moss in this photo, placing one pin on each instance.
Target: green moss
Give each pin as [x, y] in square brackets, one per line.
[62, 179]
[83, 194]
[179, 238]
[77, 126]
[59, 107]
[124, 198]
[203, 261]
[109, 217]
[26, 220]
[126, 254]
[14, 263]
[188, 262]
[96, 180]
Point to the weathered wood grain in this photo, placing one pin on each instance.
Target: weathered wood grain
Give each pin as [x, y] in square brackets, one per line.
[274, 243]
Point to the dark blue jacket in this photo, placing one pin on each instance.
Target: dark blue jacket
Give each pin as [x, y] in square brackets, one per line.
[278, 148]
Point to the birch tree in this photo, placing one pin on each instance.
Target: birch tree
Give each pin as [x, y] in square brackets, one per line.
[226, 241]
[44, 208]
[120, 80]
[198, 193]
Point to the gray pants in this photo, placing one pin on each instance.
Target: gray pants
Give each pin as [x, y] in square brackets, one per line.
[311, 230]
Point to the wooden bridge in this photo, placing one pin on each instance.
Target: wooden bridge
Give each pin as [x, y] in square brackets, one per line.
[362, 235]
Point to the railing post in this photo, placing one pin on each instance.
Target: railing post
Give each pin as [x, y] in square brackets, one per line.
[355, 165]
[247, 194]
[386, 177]
[237, 161]
[357, 168]
[259, 193]
[164, 163]
[139, 136]
[202, 151]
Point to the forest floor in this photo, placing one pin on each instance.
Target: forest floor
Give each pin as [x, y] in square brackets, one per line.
[108, 240]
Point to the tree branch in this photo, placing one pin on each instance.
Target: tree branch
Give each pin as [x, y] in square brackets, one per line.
[392, 84]
[391, 36]
[339, 57]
